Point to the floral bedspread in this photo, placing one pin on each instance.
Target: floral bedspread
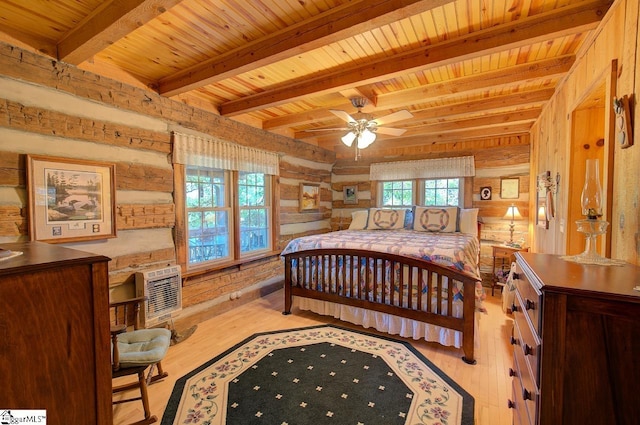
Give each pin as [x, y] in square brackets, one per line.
[457, 251]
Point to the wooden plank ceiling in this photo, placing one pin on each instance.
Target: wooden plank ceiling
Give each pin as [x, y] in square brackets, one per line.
[466, 69]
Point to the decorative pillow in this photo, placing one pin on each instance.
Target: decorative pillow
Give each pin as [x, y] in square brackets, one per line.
[359, 220]
[469, 221]
[435, 219]
[386, 219]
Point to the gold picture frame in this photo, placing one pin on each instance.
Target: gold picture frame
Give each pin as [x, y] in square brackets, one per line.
[70, 200]
[309, 197]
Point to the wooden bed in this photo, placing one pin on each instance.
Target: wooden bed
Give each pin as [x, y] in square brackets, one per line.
[384, 281]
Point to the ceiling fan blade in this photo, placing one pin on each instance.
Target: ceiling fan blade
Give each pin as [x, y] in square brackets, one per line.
[327, 129]
[342, 115]
[391, 131]
[396, 116]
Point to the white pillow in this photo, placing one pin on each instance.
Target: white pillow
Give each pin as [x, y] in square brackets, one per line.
[386, 218]
[359, 220]
[469, 221]
[435, 219]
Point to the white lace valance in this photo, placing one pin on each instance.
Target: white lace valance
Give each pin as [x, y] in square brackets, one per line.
[216, 153]
[462, 166]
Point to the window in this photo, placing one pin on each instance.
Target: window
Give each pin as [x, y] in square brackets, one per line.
[213, 219]
[397, 193]
[253, 202]
[428, 192]
[208, 215]
[441, 192]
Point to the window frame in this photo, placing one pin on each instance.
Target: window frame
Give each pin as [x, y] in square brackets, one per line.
[465, 199]
[235, 258]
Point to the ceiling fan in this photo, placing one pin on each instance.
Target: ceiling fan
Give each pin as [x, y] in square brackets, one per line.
[363, 127]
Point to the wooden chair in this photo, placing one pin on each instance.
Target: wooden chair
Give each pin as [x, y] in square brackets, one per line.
[136, 350]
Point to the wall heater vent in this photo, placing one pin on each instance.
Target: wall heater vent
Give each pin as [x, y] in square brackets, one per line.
[163, 289]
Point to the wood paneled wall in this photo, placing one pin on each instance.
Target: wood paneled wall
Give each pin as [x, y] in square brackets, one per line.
[614, 46]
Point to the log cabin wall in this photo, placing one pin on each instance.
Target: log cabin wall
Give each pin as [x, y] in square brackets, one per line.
[609, 64]
[53, 109]
[495, 159]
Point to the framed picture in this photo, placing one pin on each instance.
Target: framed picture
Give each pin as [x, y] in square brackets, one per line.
[70, 200]
[350, 194]
[510, 188]
[485, 193]
[309, 197]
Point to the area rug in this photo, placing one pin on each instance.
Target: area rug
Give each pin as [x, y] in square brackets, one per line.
[318, 375]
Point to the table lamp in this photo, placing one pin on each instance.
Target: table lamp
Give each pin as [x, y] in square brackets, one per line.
[512, 214]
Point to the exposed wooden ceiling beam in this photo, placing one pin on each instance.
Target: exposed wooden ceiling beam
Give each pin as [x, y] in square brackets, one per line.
[336, 24]
[545, 26]
[106, 25]
[502, 78]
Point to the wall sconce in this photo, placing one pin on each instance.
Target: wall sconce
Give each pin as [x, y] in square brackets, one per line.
[512, 214]
[624, 131]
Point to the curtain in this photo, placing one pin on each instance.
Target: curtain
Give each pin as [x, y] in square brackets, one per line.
[216, 153]
[463, 166]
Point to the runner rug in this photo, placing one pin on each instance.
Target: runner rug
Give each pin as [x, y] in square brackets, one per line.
[315, 376]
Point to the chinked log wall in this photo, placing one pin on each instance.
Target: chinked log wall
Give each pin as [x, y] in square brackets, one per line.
[53, 109]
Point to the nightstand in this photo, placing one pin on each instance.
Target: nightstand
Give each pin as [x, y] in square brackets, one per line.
[502, 258]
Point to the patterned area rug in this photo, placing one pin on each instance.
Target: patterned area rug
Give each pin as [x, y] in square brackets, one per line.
[319, 375]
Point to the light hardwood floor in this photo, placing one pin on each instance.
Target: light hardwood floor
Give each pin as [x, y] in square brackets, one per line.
[487, 381]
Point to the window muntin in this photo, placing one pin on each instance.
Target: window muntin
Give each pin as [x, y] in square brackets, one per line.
[208, 215]
[397, 193]
[440, 192]
[255, 212]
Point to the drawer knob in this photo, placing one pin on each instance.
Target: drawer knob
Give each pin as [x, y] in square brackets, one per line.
[514, 341]
[529, 305]
[511, 404]
[528, 350]
[512, 372]
[514, 308]
[526, 395]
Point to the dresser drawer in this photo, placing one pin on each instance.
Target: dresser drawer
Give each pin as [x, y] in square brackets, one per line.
[531, 298]
[525, 341]
[520, 415]
[527, 394]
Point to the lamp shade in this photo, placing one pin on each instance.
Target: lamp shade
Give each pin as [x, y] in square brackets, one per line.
[348, 138]
[512, 213]
[366, 138]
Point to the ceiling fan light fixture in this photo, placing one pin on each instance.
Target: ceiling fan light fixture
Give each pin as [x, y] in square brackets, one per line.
[366, 138]
[348, 138]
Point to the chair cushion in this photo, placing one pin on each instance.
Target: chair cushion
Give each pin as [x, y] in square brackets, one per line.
[143, 347]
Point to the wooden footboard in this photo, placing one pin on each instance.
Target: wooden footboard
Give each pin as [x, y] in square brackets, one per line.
[388, 283]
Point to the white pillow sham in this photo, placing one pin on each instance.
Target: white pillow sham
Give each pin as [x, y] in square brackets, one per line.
[359, 220]
[469, 221]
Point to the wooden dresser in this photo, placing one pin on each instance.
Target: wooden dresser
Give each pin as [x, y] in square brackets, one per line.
[54, 334]
[576, 341]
